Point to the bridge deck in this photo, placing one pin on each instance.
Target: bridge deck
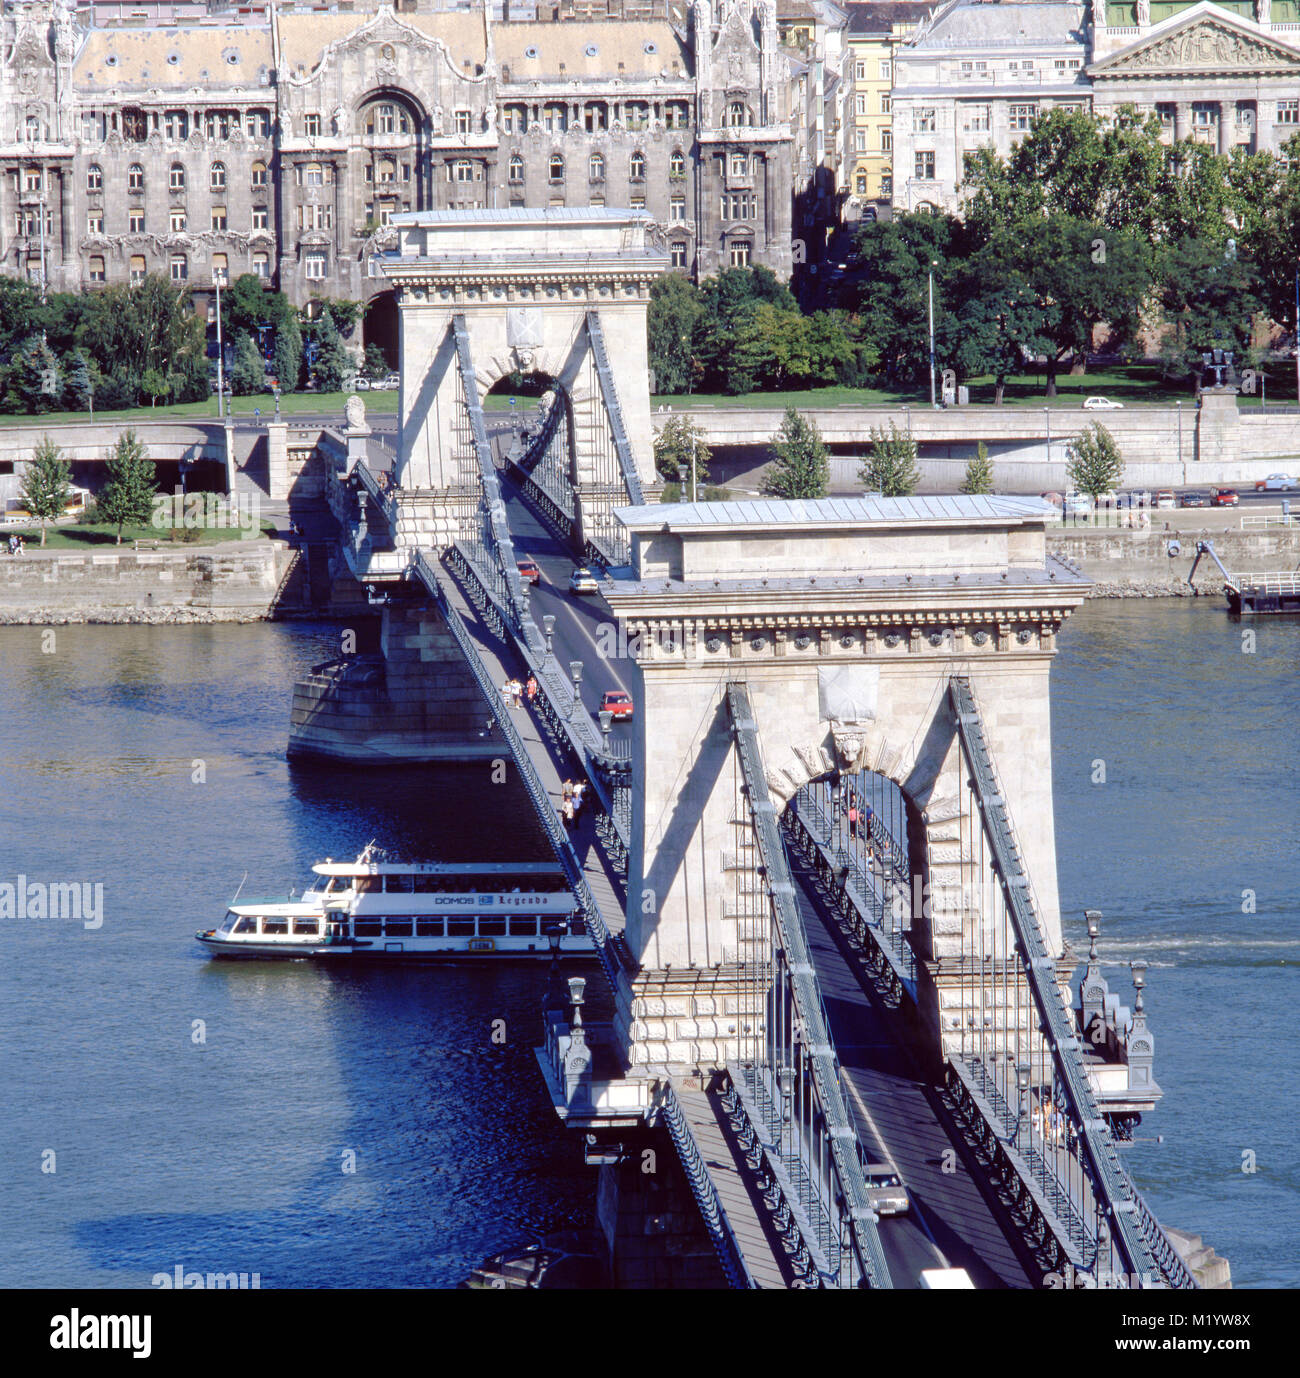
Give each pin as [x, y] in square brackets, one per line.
[733, 1180]
[900, 1121]
[504, 663]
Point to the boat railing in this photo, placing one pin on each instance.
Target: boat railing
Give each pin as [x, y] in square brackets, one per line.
[1281, 582]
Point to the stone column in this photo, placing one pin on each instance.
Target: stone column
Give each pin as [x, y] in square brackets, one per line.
[1263, 127]
[1181, 119]
[277, 460]
[1227, 125]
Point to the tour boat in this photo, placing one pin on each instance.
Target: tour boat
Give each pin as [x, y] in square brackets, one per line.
[377, 909]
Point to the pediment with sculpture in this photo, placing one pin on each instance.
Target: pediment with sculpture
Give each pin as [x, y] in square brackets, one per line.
[1206, 45]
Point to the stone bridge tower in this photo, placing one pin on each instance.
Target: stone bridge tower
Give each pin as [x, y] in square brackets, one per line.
[846, 653]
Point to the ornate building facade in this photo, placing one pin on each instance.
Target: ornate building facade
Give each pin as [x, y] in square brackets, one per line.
[282, 145]
[980, 72]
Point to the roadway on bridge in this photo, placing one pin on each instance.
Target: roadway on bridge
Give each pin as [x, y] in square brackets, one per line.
[900, 1121]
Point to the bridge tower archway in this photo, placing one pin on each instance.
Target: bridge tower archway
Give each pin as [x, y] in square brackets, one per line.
[846, 636]
[559, 292]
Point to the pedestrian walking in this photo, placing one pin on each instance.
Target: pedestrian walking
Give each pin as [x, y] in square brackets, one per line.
[853, 814]
[530, 688]
[568, 813]
[519, 693]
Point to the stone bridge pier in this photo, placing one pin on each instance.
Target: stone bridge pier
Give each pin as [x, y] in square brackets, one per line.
[845, 619]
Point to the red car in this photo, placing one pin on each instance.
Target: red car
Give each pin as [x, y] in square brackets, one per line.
[617, 702]
[529, 571]
[1224, 497]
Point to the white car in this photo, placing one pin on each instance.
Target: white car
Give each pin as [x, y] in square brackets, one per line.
[1101, 404]
[391, 383]
[582, 580]
[1276, 483]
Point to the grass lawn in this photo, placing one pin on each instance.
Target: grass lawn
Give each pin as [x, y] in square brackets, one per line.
[1136, 385]
[291, 404]
[101, 537]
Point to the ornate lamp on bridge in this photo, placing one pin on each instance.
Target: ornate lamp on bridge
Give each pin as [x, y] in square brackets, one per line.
[575, 669]
[548, 626]
[1022, 1086]
[606, 718]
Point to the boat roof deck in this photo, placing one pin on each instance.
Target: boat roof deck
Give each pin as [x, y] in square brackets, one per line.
[487, 869]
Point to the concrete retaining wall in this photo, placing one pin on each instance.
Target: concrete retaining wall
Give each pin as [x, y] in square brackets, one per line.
[230, 582]
[1138, 563]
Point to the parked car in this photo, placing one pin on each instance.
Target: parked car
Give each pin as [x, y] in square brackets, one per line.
[885, 1190]
[1165, 498]
[529, 571]
[1137, 497]
[390, 382]
[1276, 483]
[1076, 503]
[356, 385]
[1224, 497]
[1053, 497]
[1101, 404]
[618, 702]
[1192, 500]
[582, 580]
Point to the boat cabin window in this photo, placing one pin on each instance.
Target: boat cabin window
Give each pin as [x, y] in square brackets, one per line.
[366, 928]
[369, 885]
[492, 928]
[429, 928]
[523, 925]
[460, 928]
[398, 885]
[229, 922]
[304, 928]
[332, 886]
[397, 928]
[248, 924]
[274, 926]
[577, 926]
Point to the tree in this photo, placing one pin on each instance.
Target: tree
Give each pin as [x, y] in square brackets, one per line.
[890, 465]
[333, 362]
[1208, 301]
[79, 385]
[248, 372]
[679, 446]
[1093, 461]
[374, 364]
[154, 385]
[132, 482]
[288, 354]
[148, 325]
[800, 468]
[33, 382]
[674, 313]
[979, 472]
[47, 483]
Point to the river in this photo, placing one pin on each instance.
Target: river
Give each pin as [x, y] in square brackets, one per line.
[361, 1128]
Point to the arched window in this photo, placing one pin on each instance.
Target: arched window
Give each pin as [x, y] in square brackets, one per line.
[636, 167]
[556, 168]
[516, 168]
[217, 177]
[176, 178]
[737, 114]
[94, 178]
[596, 167]
[313, 175]
[677, 164]
[135, 178]
[259, 174]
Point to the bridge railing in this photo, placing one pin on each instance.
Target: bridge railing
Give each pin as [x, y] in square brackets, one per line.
[432, 576]
[787, 1080]
[1020, 1055]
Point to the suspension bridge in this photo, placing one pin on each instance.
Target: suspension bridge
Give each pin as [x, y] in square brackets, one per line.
[833, 1040]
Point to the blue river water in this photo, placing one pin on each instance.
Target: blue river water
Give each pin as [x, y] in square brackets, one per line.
[362, 1128]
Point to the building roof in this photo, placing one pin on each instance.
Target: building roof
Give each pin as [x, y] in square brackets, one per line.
[304, 37]
[880, 16]
[957, 510]
[997, 23]
[632, 49]
[211, 58]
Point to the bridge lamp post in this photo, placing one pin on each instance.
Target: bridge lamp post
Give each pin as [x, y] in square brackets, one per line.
[934, 263]
[1022, 1085]
[548, 626]
[575, 669]
[606, 718]
[217, 278]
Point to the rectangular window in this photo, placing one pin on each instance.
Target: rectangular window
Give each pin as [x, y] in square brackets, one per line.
[523, 925]
[860, 106]
[176, 222]
[491, 927]
[886, 140]
[463, 122]
[32, 179]
[925, 167]
[315, 265]
[261, 218]
[1288, 112]
[860, 72]
[176, 125]
[95, 222]
[135, 220]
[885, 69]
[975, 118]
[886, 105]
[925, 120]
[262, 265]
[218, 217]
[740, 164]
[180, 268]
[679, 254]
[311, 126]
[429, 926]
[96, 268]
[220, 266]
[92, 127]
[860, 140]
[677, 209]
[886, 184]
[1021, 116]
[259, 174]
[138, 269]
[637, 203]
[740, 252]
